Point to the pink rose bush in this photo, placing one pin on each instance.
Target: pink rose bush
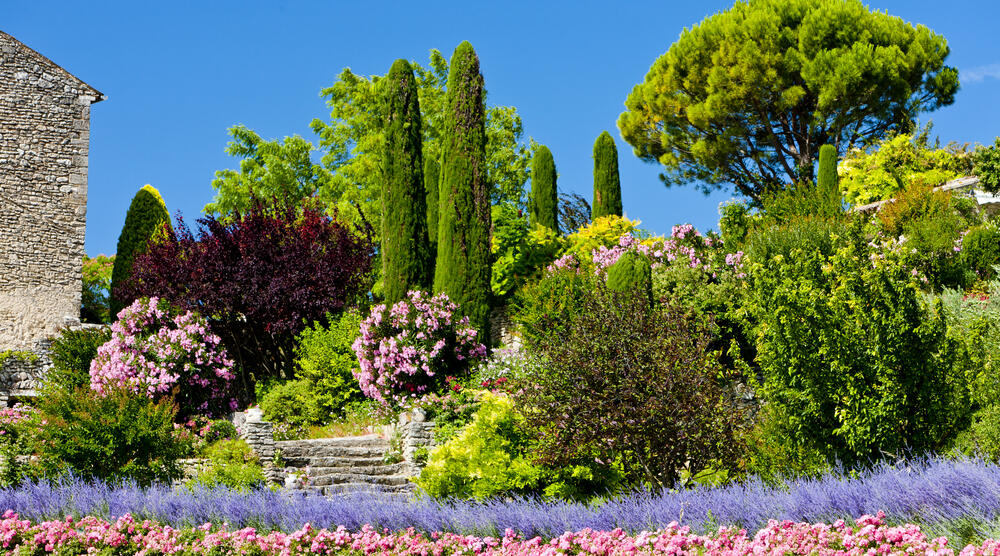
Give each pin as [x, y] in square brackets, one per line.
[409, 349]
[153, 351]
[126, 535]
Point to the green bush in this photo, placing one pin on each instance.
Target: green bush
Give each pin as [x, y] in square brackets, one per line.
[147, 215]
[974, 319]
[986, 165]
[293, 403]
[71, 353]
[220, 429]
[231, 463]
[544, 307]
[631, 272]
[849, 351]
[777, 453]
[520, 252]
[981, 250]
[324, 358]
[112, 437]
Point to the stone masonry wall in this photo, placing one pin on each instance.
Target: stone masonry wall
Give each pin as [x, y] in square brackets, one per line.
[44, 143]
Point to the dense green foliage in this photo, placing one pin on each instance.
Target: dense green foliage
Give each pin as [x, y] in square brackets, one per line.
[607, 183]
[520, 252]
[324, 358]
[544, 203]
[986, 165]
[826, 176]
[111, 437]
[748, 96]
[147, 215]
[406, 256]
[898, 163]
[96, 295]
[463, 257]
[849, 352]
[231, 463]
[71, 354]
[432, 185]
[981, 250]
[632, 272]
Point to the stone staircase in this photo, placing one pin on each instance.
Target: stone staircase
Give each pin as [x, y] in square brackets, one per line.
[345, 464]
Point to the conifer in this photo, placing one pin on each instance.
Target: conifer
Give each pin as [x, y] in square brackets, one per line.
[544, 196]
[146, 216]
[607, 183]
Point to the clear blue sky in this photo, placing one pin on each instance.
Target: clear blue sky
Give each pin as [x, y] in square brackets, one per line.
[178, 74]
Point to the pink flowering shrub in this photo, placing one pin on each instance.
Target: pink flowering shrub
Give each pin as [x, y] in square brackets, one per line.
[409, 349]
[154, 352]
[127, 535]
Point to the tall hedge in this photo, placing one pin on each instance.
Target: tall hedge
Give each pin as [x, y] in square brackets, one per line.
[827, 179]
[607, 183]
[463, 255]
[432, 185]
[406, 256]
[544, 197]
[146, 215]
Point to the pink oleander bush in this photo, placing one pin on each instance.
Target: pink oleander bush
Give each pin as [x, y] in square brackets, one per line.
[408, 350]
[126, 535]
[156, 352]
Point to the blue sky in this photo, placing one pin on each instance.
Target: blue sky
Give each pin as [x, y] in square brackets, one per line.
[178, 74]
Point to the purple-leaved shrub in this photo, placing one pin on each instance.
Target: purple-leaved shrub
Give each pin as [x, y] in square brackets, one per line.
[155, 352]
[407, 350]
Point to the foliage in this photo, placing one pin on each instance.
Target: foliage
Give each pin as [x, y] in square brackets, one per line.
[630, 383]
[491, 456]
[409, 350]
[157, 352]
[96, 295]
[981, 250]
[147, 217]
[544, 203]
[520, 252]
[220, 429]
[736, 220]
[631, 272]
[324, 358]
[975, 320]
[15, 442]
[775, 453]
[748, 96]
[432, 185]
[926, 232]
[986, 165]
[117, 435]
[71, 353]
[407, 261]
[607, 183]
[982, 438]
[605, 231]
[463, 258]
[293, 404]
[451, 410]
[232, 464]
[546, 306]
[275, 173]
[849, 352]
[898, 163]
[574, 212]
[353, 139]
[826, 175]
[261, 278]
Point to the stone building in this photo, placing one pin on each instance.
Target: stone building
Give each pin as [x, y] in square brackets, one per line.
[44, 144]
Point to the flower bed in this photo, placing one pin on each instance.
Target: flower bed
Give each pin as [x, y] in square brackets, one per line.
[868, 535]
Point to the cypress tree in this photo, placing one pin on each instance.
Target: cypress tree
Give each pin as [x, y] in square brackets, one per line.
[463, 256]
[432, 184]
[544, 197]
[146, 216]
[827, 180]
[607, 183]
[406, 254]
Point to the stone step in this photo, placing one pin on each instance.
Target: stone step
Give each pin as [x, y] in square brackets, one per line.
[351, 478]
[348, 488]
[334, 462]
[367, 470]
[334, 451]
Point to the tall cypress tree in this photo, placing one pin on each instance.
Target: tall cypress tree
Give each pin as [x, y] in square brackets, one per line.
[463, 255]
[406, 255]
[827, 179]
[607, 183]
[432, 184]
[544, 197]
[146, 216]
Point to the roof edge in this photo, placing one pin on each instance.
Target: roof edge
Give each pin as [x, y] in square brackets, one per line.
[98, 96]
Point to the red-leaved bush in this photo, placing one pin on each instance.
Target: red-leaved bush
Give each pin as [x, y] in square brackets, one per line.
[261, 278]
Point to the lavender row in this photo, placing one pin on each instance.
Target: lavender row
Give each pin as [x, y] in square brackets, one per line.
[934, 490]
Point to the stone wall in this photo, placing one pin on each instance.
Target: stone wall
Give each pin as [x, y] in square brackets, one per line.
[44, 144]
[416, 433]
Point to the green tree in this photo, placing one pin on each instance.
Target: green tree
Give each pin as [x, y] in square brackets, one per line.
[353, 138]
[544, 195]
[607, 183]
[146, 216]
[95, 302]
[749, 95]
[432, 184]
[463, 256]
[826, 177]
[270, 172]
[406, 255]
